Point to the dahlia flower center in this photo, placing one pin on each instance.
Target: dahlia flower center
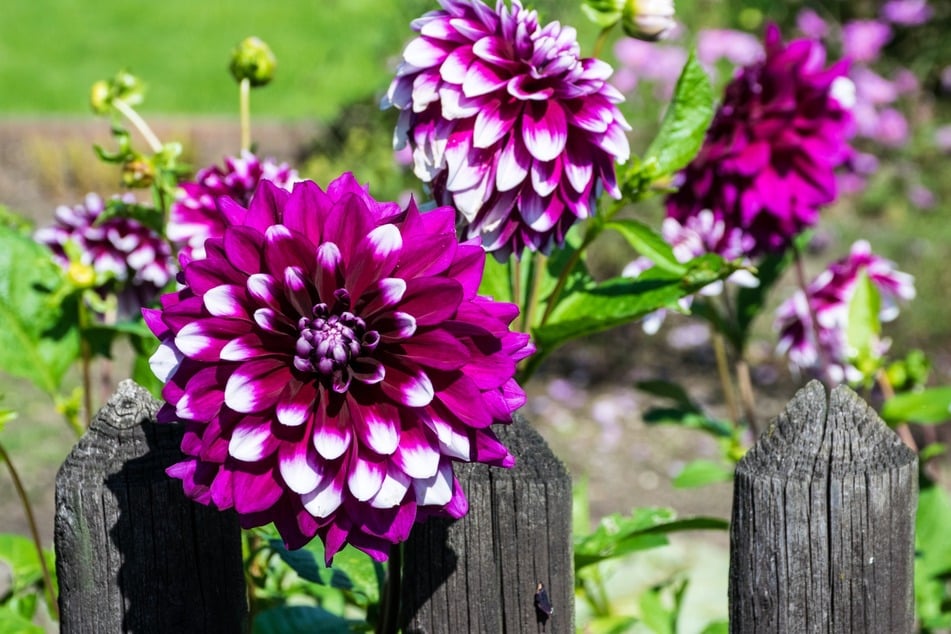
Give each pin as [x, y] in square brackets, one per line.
[330, 341]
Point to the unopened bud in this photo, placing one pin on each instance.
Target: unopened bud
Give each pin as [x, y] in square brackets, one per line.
[253, 60]
[138, 173]
[100, 97]
[649, 20]
[81, 275]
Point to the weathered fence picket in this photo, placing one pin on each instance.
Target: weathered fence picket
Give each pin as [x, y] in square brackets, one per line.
[822, 537]
[822, 534]
[133, 554]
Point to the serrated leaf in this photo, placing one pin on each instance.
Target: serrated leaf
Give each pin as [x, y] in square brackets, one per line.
[296, 619]
[686, 121]
[12, 622]
[39, 340]
[648, 243]
[698, 473]
[927, 407]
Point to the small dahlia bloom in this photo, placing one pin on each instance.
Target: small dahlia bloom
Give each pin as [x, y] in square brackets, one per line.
[330, 359]
[194, 216]
[507, 122]
[699, 235]
[821, 346]
[132, 260]
[767, 164]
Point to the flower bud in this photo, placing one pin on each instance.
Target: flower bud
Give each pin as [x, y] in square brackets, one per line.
[138, 173]
[81, 275]
[100, 97]
[649, 20]
[253, 60]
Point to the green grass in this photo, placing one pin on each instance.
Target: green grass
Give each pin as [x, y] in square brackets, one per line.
[329, 53]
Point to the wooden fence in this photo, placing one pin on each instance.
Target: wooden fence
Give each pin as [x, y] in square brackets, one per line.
[821, 539]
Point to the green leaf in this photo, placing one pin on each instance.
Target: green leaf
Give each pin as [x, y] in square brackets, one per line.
[611, 625]
[669, 390]
[366, 574]
[750, 301]
[645, 528]
[691, 420]
[6, 415]
[19, 553]
[147, 216]
[12, 622]
[601, 12]
[39, 340]
[864, 328]
[927, 407]
[497, 280]
[622, 300]
[580, 508]
[932, 451]
[698, 473]
[717, 627]
[686, 120]
[296, 619]
[931, 533]
[648, 243]
[654, 614]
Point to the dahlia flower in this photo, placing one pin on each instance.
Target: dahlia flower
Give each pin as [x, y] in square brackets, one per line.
[821, 345]
[768, 161]
[507, 122]
[699, 235]
[129, 259]
[330, 359]
[194, 216]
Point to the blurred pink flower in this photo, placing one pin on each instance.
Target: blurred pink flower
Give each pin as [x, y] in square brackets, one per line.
[737, 47]
[653, 63]
[811, 25]
[892, 128]
[862, 40]
[907, 12]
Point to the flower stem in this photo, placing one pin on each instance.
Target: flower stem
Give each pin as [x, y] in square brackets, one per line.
[599, 43]
[85, 360]
[531, 302]
[31, 520]
[747, 399]
[801, 278]
[245, 105]
[517, 291]
[723, 369]
[129, 113]
[390, 603]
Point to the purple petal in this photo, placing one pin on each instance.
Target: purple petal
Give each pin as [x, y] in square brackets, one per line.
[481, 79]
[392, 491]
[296, 404]
[300, 467]
[255, 492]
[325, 499]
[491, 124]
[411, 390]
[514, 162]
[545, 130]
[331, 435]
[252, 441]
[226, 301]
[365, 477]
[377, 426]
[417, 456]
[437, 490]
[256, 385]
[203, 340]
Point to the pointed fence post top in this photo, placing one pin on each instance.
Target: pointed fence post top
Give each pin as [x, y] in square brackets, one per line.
[130, 406]
[818, 435]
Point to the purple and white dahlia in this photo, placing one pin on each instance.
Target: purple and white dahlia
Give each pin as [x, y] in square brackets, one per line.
[130, 259]
[820, 345]
[768, 162]
[507, 122]
[330, 359]
[194, 216]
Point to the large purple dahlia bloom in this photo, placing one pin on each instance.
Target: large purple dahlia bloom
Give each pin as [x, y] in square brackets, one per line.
[820, 345]
[330, 358]
[130, 259]
[194, 216]
[507, 122]
[767, 164]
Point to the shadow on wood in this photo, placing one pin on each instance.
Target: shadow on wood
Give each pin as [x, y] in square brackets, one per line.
[133, 553]
[822, 538]
[481, 573]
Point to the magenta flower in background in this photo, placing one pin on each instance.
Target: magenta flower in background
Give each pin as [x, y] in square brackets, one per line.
[330, 359]
[194, 216]
[811, 25]
[660, 64]
[134, 260]
[863, 40]
[906, 12]
[507, 122]
[767, 164]
[824, 345]
[737, 47]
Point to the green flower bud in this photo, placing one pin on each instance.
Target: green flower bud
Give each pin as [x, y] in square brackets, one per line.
[138, 173]
[649, 20]
[604, 13]
[100, 97]
[81, 275]
[253, 60]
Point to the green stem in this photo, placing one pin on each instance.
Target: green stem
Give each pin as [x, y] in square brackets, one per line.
[723, 369]
[531, 301]
[245, 105]
[31, 520]
[600, 42]
[85, 360]
[517, 293]
[390, 603]
[129, 113]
